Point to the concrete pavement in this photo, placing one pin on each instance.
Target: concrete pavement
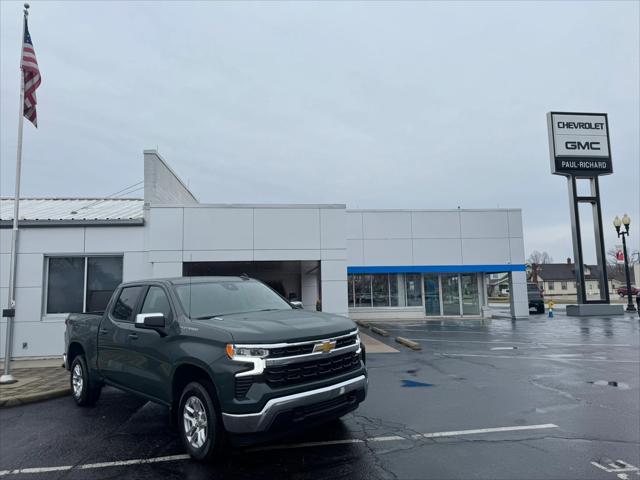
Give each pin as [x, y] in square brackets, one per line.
[38, 379]
[539, 399]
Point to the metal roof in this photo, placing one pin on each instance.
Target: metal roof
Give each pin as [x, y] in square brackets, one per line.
[73, 209]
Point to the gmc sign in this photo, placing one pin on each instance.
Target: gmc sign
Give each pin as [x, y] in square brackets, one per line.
[579, 143]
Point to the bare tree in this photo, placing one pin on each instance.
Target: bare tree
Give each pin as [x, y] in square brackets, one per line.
[533, 264]
[539, 258]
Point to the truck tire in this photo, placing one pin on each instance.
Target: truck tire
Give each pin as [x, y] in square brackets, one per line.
[199, 423]
[84, 389]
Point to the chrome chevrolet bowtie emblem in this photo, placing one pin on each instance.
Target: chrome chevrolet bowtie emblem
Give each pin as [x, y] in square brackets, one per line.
[324, 347]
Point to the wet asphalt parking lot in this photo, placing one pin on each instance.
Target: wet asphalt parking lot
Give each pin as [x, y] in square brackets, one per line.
[545, 398]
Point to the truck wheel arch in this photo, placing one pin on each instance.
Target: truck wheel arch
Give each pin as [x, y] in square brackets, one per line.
[186, 373]
[73, 351]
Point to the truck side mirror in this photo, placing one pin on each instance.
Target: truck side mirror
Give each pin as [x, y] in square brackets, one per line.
[296, 304]
[151, 321]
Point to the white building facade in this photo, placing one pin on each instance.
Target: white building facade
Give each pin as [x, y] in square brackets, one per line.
[369, 264]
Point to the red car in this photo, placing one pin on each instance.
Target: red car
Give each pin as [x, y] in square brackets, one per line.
[622, 291]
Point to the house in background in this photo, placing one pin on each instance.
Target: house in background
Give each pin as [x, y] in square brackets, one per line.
[558, 280]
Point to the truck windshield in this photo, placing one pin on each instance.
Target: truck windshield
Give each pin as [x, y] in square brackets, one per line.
[211, 299]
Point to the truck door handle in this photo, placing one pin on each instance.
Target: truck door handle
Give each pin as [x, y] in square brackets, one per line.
[133, 336]
[103, 331]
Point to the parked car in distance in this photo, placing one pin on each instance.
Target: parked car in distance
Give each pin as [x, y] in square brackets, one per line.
[234, 361]
[536, 297]
[622, 291]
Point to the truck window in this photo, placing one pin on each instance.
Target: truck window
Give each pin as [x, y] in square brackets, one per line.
[123, 309]
[156, 301]
[227, 297]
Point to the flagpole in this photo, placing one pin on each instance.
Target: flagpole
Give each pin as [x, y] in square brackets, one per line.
[11, 303]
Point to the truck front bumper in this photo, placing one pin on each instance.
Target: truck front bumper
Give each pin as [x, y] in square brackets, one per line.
[263, 420]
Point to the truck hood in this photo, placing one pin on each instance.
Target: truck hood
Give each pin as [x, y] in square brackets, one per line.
[280, 326]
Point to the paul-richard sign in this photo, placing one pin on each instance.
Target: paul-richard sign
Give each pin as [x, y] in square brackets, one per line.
[579, 144]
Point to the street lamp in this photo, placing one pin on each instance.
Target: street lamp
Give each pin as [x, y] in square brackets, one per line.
[626, 221]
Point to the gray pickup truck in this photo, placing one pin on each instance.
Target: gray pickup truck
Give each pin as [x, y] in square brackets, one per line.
[234, 361]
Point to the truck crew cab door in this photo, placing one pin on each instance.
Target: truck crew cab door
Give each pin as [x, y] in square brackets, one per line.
[150, 366]
[113, 335]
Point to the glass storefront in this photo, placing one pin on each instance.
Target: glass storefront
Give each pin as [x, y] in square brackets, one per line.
[431, 294]
[450, 295]
[380, 289]
[413, 289]
[362, 290]
[445, 294]
[470, 298]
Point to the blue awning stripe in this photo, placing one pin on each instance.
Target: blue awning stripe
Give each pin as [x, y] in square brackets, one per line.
[437, 269]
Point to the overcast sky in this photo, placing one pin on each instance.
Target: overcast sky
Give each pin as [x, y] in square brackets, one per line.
[376, 105]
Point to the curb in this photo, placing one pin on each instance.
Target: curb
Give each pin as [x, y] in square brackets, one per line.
[380, 331]
[409, 343]
[362, 324]
[34, 397]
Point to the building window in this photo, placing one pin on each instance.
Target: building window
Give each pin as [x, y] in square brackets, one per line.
[362, 291]
[350, 288]
[551, 285]
[380, 290]
[563, 285]
[394, 289]
[81, 284]
[413, 289]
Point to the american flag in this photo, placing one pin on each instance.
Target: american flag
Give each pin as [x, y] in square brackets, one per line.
[30, 76]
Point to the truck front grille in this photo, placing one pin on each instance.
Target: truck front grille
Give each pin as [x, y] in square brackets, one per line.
[291, 374]
[291, 351]
[346, 341]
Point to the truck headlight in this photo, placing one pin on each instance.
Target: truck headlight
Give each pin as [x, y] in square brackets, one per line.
[236, 353]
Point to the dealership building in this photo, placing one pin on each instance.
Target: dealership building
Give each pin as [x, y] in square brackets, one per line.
[367, 264]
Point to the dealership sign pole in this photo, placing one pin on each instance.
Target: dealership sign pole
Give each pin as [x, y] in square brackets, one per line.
[580, 150]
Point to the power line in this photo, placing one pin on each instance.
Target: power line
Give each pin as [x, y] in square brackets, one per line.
[118, 194]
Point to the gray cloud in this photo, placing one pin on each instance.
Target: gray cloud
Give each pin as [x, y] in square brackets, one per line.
[392, 105]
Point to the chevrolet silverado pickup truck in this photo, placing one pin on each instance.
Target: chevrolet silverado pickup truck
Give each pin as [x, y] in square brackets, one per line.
[234, 361]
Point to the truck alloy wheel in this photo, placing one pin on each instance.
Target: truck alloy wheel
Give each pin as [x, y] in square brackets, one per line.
[77, 380]
[195, 422]
[201, 431]
[84, 389]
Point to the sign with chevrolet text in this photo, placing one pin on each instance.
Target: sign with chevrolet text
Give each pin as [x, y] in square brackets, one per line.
[579, 144]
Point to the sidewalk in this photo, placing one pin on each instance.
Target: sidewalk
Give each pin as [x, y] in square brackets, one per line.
[39, 379]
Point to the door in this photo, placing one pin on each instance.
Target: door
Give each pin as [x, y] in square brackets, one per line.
[431, 295]
[149, 365]
[450, 294]
[470, 297]
[114, 335]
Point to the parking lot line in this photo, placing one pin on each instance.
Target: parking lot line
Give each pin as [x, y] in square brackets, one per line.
[174, 458]
[526, 357]
[458, 433]
[88, 466]
[559, 344]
